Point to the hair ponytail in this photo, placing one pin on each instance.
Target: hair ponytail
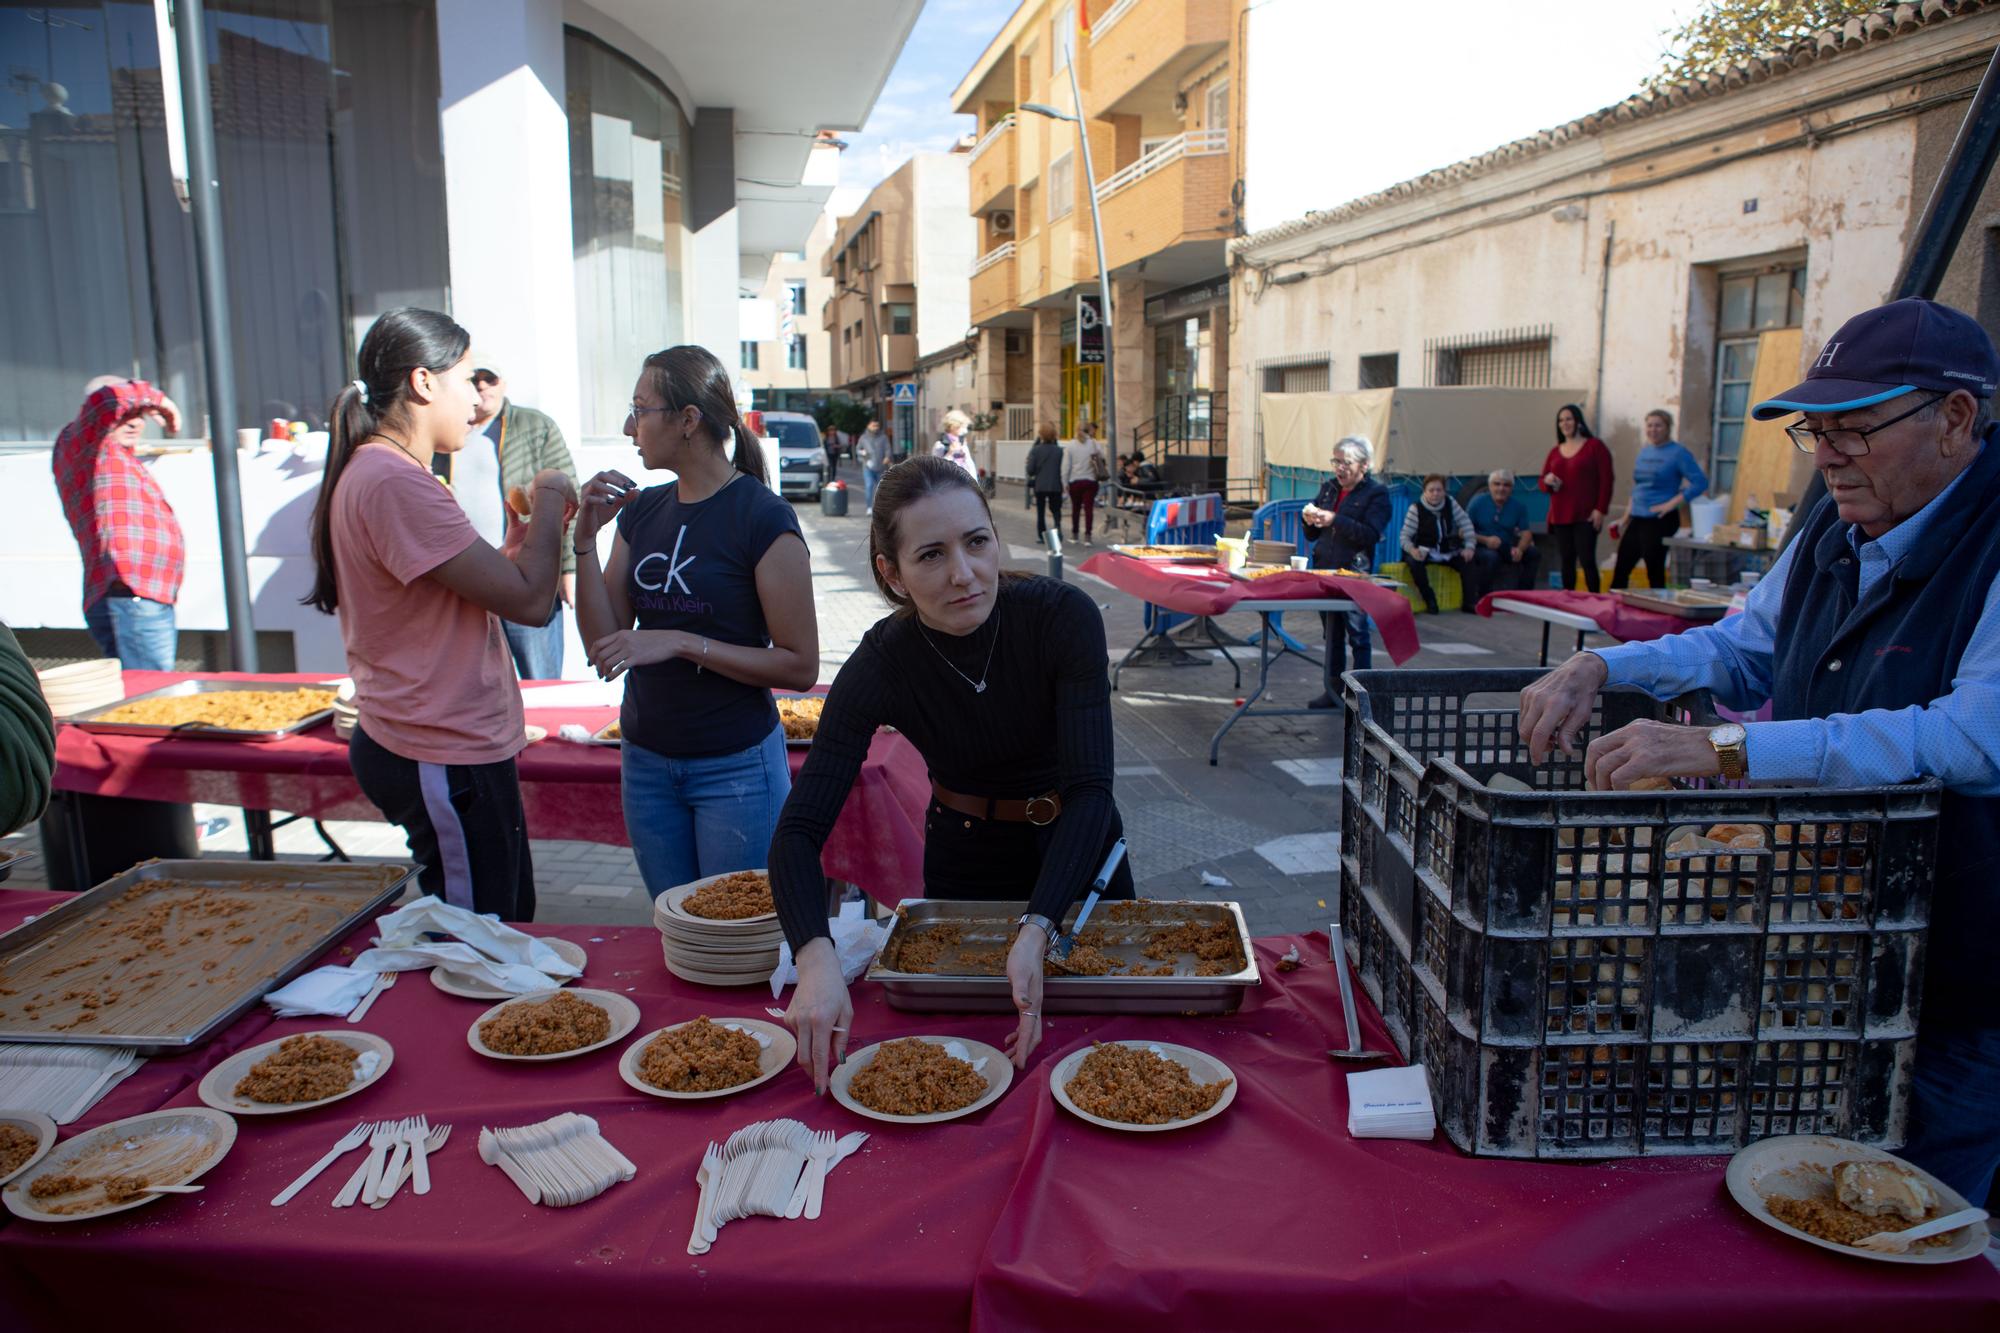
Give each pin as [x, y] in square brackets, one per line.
[396, 344]
[690, 376]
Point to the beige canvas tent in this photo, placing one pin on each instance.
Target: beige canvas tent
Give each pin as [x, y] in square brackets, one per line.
[1457, 431]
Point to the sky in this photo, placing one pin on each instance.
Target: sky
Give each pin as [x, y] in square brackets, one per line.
[1465, 76]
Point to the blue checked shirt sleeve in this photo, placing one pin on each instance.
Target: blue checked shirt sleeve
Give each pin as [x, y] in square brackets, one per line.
[1731, 658]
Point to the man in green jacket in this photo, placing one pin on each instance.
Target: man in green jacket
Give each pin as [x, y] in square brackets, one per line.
[507, 445]
[27, 739]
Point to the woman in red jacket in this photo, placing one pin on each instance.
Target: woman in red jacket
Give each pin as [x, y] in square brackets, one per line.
[1578, 477]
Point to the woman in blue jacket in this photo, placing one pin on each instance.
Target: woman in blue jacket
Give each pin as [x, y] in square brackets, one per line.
[1665, 477]
[1345, 522]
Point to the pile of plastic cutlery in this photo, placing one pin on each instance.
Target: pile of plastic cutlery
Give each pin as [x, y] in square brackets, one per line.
[774, 1168]
[559, 1162]
[62, 1082]
[398, 1152]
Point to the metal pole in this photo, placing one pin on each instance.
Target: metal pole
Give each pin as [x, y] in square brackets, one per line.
[217, 341]
[1103, 273]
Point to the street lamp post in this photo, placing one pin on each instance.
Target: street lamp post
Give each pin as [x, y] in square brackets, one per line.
[1097, 229]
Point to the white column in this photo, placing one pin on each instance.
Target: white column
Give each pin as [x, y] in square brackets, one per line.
[506, 166]
[715, 267]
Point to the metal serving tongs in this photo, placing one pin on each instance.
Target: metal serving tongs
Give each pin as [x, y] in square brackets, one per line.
[1067, 940]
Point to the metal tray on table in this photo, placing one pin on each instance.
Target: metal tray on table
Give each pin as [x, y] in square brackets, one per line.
[1687, 603]
[987, 925]
[91, 719]
[165, 1014]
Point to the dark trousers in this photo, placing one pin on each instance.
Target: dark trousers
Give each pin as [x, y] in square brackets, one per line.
[1497, 571]
[1955, 1108]
[1082, 506]
[1048, 511]
[989, 860]
[1420, 574]
[1645, 539]
[1576, 543]
[465, 824]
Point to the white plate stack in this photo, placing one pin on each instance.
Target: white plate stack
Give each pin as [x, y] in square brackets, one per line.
[345, 713]
[716, 953]
[82, 686]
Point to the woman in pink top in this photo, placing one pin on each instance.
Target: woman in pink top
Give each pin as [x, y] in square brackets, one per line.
[1578, 476]
[420, 597]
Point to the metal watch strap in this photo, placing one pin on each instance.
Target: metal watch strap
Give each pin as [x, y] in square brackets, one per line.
[1733, 760]
[1037, 919]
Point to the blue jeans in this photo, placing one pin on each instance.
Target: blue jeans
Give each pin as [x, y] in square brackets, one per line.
[538, 650]
[138, 632]
[1955, 1108]
[871, 478]
[1360, 640]
[690, 818]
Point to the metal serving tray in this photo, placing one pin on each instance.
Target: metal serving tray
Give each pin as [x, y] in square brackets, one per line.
[88, 720]
[1687, 603]
[366, 887]
[994, 922]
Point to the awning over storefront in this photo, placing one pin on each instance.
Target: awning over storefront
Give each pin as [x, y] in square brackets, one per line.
[1455, 431]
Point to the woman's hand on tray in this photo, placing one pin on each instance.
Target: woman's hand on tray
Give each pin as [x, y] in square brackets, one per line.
[821, 1014]
[1024, 980]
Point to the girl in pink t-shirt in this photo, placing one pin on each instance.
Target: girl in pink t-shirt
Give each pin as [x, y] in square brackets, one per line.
[420, 596]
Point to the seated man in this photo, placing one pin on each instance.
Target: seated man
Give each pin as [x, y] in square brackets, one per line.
[1506, 559]
[1876, 637]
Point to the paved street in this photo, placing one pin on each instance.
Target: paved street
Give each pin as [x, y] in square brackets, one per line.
[1266, 819]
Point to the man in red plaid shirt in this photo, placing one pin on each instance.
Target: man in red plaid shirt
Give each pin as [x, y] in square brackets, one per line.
[133, 558]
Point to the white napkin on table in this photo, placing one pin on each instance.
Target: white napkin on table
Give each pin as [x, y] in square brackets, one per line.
[1390, 1104]
[333, 991]
[856, 941]
[403, 932]
[466, 961]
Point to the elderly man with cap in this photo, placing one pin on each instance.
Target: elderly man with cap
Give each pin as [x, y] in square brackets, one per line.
[506, 447]
[1876, 637]
[1344, 522]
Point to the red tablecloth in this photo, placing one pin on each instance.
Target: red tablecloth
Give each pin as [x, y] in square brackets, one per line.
[1205, 590]
[569, 791]
[1613, 616]
[1018, 1217]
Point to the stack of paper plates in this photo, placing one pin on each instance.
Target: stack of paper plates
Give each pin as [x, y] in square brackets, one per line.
[716, 953]
[82, 686]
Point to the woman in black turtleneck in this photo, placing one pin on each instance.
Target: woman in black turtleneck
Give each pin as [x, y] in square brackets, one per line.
[998, 680]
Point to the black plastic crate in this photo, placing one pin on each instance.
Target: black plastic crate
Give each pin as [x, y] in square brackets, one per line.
[1580, 978]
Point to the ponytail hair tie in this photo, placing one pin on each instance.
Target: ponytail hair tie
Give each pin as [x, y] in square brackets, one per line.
[361, 387]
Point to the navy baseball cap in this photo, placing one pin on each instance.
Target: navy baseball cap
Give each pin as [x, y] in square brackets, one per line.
[1894, 349]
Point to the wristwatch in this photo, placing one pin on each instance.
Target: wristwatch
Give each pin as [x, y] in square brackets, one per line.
[1036, 919]
[1728, 740]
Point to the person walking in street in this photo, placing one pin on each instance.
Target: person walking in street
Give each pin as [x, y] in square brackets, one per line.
[1577, 475]
[420, 597]
[952, 445]
[507, 446]
[872, 448]
[1085, 467]
[1045, 479]
[1437, 532]
[1345, 522]
[1506, 559]
[126, 532]
[1664, 477]
[830, 444]
[705, 605]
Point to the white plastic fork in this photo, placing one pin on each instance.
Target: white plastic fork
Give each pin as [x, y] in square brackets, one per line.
[383, 980]
[370, 1171]
[816, 1159]
[1899, 1242]
[349, 1141]
[711, 1168]
[409, 1136]
[399, 1153]
[430, 1144]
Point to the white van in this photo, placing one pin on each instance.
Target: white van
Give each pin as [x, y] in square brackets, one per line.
[801, 460]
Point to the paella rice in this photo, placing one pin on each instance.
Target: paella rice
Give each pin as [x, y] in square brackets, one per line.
[910, 1076]
[559, 1024]
[701, 1056]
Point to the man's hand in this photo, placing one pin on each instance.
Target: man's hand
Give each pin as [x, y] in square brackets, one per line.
[1555, 708]
[1515, 553]
[167, 414]
[1649, 750]
[1490, 543]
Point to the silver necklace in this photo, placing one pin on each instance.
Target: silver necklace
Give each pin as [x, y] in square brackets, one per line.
[978, 686]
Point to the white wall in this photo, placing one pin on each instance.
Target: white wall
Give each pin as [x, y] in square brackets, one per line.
[505, 132]
[713, 285]
[947, 238]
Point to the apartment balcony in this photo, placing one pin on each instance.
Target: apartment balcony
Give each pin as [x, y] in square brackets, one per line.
[1175, 196]
[993, 292]
[991, 169]
[1140, 48]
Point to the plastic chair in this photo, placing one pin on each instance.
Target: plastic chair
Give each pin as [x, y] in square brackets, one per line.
[1279, 521]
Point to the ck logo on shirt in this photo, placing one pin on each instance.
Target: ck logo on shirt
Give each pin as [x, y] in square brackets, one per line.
[663, 577]
[1826, 354]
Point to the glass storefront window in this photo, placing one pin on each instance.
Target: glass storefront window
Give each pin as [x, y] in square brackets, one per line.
[333, 200]
[627, 161]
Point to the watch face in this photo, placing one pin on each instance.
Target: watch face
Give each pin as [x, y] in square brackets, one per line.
[1729, 733]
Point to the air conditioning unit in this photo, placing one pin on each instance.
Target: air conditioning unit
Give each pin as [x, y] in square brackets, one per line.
[1003, 224]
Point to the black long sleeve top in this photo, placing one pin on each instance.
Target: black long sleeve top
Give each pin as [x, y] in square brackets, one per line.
[1359, 520]
[1042, 724]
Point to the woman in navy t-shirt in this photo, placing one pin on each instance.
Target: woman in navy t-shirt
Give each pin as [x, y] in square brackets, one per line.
[712, 570]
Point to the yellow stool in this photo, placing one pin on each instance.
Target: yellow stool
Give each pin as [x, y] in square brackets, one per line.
[1444, 582]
